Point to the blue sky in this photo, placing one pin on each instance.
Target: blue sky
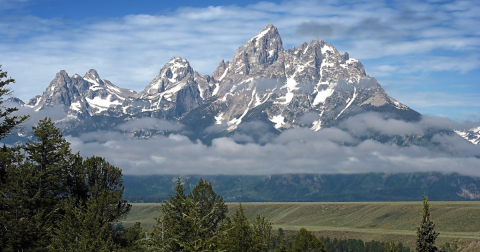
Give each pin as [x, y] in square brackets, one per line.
[426, 54]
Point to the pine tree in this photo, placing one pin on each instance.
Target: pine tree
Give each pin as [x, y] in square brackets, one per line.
[391, 247]
[211, 209]
[426, 236]
[190, 222]
[47, 164]
[83, 228]
[239, 237]
[16, 222]
[93, 209]
[305, 241]
[261, 233]
[51, 199]
[7, 122]
[33, 188]
[170, 224]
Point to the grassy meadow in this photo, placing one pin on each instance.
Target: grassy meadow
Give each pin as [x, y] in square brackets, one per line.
[382, 221]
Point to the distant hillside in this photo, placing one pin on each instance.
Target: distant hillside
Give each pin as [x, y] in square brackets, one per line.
[314, 187]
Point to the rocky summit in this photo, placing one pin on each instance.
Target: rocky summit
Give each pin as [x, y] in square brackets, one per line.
[309, 86]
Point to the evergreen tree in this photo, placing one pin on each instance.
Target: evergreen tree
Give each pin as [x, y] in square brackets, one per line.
[129, 239]
[211, 209]
[261, 234]
[105, 181]
[13, 219]
[239, 236]
[92, 211]
[281, 243]
[47, 164]
[7, 122]
[33, 185]
[16, 223]
[170, 222]
[83, 228]
[306, 241]
[391, 247]
[190, 222]
[51, 199]
[426, 236]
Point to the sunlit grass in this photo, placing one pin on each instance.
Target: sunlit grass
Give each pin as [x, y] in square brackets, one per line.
[362, 220]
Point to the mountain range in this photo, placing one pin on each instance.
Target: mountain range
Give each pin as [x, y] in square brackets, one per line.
[311, 86]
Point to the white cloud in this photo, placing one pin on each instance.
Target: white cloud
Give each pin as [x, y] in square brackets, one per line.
[330, 150]
[225, 156]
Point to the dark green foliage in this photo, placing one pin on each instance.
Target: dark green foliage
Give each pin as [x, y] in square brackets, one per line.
[82, 228]
[16, 218]
[239, 236]
[282, 242]
[245, 235]
[285, 243]
[261, 233]
[197, 221]
[306, 241]
[129, 238]
[35, 185]
[93, 208]
[7, 122]
[426, 236]
[210, 206]
[47, 164]
[190, 222]
[51, 199]
[376, 246]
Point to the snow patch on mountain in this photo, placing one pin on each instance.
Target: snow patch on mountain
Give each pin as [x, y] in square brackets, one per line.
[279, 121]
[472, 135]
[218, 118]
[349, 102]
[322, 96]
[102, 104]
[77, 106]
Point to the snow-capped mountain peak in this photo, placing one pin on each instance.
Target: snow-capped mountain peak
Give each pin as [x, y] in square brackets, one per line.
[93, 77]
[170, 78]
[472, 135]
[83, 96]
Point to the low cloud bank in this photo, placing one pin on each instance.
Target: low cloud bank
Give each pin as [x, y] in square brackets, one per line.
[148, 123]
[253, 149]
[300, 150]
[177, 154]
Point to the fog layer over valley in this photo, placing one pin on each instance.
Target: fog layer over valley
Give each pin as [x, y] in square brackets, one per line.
[330, 150]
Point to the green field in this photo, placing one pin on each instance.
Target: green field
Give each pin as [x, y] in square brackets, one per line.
[383, 221]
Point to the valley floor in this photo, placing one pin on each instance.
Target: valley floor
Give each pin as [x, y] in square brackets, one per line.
[381, 221]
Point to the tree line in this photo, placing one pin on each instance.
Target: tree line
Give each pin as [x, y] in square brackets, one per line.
[52, 199]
